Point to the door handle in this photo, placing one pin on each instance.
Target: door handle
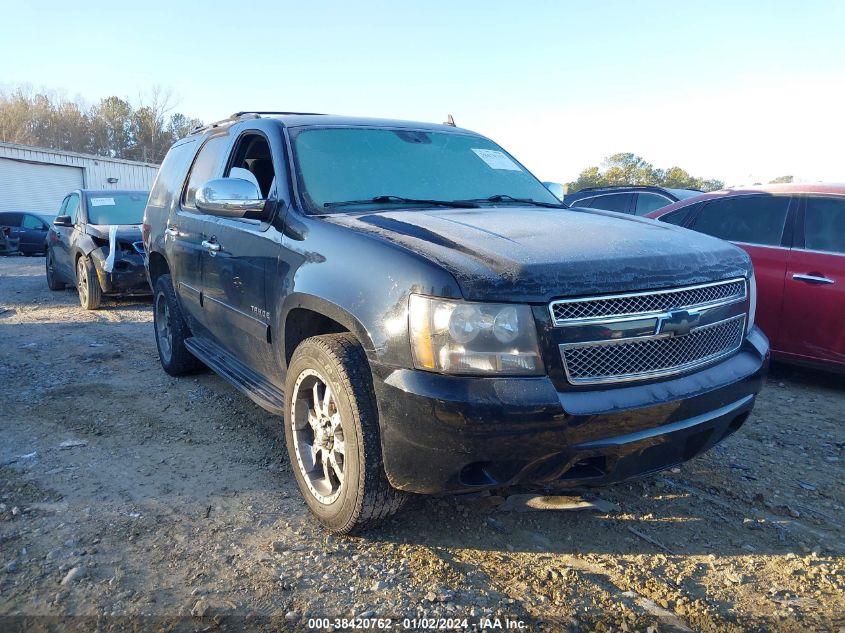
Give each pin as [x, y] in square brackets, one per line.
[211, 246]
[812, 279]
[172, 231]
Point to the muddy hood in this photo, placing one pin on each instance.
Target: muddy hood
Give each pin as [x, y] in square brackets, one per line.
[533, 255]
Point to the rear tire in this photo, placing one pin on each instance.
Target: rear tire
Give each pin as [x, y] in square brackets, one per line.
[329, 404]
[87, 284]
[171, 330]
[53, 282]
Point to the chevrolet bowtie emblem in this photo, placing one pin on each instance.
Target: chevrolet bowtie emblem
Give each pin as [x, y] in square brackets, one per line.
[677, 322]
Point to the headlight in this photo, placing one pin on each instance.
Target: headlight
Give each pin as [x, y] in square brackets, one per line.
[457, 337]
[752, 301]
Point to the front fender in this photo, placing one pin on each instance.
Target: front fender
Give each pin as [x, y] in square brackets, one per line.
[360, 281]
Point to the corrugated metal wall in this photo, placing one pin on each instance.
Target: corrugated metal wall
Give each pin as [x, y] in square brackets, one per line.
[96, 169]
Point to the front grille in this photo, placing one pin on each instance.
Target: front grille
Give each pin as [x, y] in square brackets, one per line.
[566, 310]
[647, 357]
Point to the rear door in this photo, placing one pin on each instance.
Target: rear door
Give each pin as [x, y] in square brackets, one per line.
[758, 224]
[13, 221]
[814, 293]
[186, 232]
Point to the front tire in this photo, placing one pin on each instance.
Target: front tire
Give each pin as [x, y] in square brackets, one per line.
[171, 330]
[90, 293]
[332, 435]
[53, 282]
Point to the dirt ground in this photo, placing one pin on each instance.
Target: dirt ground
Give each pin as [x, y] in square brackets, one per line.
[130, 500]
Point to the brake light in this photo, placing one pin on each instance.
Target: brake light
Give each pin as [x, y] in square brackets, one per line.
[145, 232]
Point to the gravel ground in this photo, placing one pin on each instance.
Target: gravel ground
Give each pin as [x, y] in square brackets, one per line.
[130, 499]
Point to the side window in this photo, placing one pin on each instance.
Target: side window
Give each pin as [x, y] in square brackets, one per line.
[750, 219]
[583, 202]
[678, 217]
[824, 225]
[31, 222]
[648, 202]
[251, 160]
[204, 168]
[72, 208]
[612, 202]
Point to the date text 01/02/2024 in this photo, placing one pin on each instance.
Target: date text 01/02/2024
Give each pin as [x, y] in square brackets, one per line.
[415, 624]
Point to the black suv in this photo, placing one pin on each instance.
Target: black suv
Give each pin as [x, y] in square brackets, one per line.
[631, 199]
[427, 317]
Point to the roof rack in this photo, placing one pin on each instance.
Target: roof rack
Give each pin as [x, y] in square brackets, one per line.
[255, 114]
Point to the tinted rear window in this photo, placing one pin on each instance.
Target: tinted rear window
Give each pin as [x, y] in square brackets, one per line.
[824, 225]
[612, 202]
[748, 219]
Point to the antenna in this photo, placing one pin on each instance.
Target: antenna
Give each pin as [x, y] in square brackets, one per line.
[450, 121]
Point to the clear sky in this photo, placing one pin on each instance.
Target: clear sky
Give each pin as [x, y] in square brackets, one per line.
[740, 91]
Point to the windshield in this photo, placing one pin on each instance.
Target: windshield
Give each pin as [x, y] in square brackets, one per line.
[126, 207]
[336, 165]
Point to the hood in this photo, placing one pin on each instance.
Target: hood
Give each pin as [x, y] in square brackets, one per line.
[533, 255]
[125, 232]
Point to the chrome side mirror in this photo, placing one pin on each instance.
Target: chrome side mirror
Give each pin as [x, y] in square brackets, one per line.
[62, 220]
[556, 188]
[231, 198]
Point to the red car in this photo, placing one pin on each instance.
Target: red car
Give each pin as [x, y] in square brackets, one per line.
[795, 235]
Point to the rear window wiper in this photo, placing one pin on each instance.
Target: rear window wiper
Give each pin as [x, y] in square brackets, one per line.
[503, 197]
[460, 204]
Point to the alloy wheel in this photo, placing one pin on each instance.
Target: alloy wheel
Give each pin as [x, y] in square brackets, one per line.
[164, 332]
[82, 280]
[318, 436]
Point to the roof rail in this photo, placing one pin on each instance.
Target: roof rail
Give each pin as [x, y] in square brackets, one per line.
[631, 187]
[256, 114]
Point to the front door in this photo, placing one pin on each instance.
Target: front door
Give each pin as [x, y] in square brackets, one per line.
[60, 243]
[758, 224]
[33, 234]
[814, 297]
[237, 257]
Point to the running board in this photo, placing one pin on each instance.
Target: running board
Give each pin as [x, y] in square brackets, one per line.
[253, 385]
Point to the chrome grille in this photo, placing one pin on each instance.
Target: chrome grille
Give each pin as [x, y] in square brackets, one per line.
[566, 310]
[648, 357]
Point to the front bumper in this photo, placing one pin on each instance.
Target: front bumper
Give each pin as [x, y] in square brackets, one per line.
[127, 277]
[450, 434]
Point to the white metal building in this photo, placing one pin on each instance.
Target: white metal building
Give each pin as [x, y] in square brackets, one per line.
[37, 180]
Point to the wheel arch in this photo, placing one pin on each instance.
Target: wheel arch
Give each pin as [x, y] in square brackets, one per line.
[306, 315]
[156, 267]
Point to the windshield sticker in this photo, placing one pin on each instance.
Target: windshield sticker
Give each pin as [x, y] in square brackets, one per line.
[102, 202]
[496, 159]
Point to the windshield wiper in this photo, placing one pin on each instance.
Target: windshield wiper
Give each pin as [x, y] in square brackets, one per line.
[503, 197]
[459, 204]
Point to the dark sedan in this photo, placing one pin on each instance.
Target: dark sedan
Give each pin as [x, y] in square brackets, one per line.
[95, 245]
[630, 199]
[29, 229]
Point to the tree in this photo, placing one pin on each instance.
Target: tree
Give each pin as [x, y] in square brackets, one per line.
[626, 168]
[781, 180]
[113, 127]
